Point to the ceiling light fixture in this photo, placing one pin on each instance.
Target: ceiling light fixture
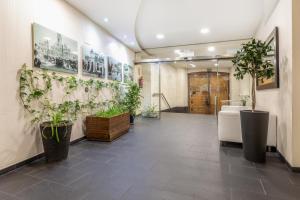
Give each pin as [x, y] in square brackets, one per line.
[211, 49]
[160, 36]
[105, 19]
[125, 36]
[204, 31]
[216, 64]
[132, 43]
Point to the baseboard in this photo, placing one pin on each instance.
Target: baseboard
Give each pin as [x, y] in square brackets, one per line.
[29, 160]
[77, 140]
[292, 169]
[177, 110]
[240, 146]
[21, 164]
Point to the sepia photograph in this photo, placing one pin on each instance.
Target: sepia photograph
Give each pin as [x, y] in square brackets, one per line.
[93, 63]
[54, 51]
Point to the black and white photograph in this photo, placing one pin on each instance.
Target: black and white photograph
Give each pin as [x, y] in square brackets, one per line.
[114, 69]
[128, 73]
[54, 51]
[93, 63]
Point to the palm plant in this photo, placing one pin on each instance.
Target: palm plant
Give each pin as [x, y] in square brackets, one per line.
[251, 60]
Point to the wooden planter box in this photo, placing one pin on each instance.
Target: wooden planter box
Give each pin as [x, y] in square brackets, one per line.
[106, 129]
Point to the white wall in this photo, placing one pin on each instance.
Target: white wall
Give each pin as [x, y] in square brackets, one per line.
[296, 84]
[173, 85]
[238, 88]
[279, 101]
[182, 88]
[18, 142]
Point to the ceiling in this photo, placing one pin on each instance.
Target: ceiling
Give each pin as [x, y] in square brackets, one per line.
[222, 49]
[137, 22]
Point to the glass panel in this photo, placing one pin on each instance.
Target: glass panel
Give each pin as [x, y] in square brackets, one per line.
[149, 81]
[174, 87]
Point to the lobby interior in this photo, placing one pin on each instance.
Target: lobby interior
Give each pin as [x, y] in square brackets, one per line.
[148, 100]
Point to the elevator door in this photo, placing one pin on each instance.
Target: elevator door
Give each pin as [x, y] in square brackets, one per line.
[204, 87]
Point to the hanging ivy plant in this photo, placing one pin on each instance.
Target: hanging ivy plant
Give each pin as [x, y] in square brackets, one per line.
[36, 95]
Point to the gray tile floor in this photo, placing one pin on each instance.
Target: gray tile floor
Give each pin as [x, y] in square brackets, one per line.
[175, 158]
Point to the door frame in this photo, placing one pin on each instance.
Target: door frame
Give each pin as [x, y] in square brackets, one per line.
[205, 72]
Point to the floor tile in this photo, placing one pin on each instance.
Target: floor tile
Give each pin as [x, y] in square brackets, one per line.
[50, 191]
[13, 183]
[177, 157]
[4, 196]
[57, 174]
[148, 193]
[282, 190]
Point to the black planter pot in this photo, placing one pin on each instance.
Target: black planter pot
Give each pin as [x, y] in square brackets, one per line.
[132, 119]
[254, 126]
[56, 151]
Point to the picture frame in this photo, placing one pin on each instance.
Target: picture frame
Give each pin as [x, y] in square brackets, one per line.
[54, 51]
[273, 82]
[93, 63]
[114, 69]
[128, 73]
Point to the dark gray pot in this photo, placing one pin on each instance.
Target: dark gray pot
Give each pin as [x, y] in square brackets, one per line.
[56, 151]
[132, 119]
[254, 126]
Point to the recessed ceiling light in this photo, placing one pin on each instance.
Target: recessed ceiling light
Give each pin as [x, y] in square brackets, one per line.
[160, 36]
[125, 36]
[204, 30]
[105, 19]
[211, 49]
[216, 64]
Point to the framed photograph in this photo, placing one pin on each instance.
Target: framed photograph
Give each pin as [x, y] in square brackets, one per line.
[128, 73]
[54, 51]
[93, 63]
[273, 57]
[114, 69]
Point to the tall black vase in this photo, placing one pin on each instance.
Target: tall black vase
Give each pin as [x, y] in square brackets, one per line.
[254, 126]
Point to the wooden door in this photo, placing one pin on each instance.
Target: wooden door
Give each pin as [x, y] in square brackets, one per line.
[203, 88]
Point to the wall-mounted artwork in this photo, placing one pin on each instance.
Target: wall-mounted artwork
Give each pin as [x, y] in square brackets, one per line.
[114, 69]
[93, 63]
[273, 57]
[128, 73]
[54, 51]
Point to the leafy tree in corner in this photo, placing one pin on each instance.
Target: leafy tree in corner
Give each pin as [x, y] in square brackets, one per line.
[251, 60]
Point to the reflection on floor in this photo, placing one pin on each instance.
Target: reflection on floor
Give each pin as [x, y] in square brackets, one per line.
[175, 158]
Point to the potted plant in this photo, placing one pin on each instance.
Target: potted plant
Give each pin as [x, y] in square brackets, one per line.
[254, 123]
[244, 100]
[107, 125]
[132, 100]
[150, 112]
[55, 119]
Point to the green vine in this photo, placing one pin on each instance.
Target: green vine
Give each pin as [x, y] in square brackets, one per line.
[36, 94]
